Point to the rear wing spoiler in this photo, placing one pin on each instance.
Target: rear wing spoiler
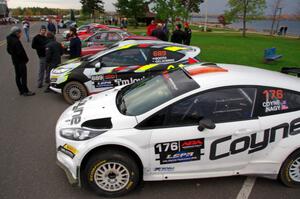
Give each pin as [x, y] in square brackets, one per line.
[291, 70]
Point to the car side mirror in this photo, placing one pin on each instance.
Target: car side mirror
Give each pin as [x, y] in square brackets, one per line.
[206, 124]
[97, 66]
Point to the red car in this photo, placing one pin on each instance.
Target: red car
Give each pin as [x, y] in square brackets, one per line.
[91, 50]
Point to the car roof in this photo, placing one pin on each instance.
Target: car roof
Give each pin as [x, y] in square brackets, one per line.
[211, 75]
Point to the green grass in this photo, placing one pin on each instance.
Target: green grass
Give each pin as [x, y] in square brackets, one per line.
[232, 48]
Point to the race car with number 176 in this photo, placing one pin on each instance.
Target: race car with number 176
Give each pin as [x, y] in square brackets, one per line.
[198, 121]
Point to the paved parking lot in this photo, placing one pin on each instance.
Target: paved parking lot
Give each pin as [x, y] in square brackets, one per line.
[27, 145]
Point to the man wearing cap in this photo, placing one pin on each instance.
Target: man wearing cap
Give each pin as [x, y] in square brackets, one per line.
[178, 35]
[75, 44]
[39, 44]
[19, 59]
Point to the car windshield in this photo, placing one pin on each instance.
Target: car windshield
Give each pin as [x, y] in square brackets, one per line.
[138, 98]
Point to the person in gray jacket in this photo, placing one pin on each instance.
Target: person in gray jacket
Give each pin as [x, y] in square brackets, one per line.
[54, 52]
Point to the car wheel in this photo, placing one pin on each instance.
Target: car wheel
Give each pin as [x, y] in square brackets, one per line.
[290, 170]
[111, 173]
[74, 91]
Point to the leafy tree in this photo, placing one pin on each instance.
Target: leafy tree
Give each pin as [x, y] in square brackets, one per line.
[172, 9]
[245, 9]
[92, 6]
[190, 6]
[169, 10]
[131, 9]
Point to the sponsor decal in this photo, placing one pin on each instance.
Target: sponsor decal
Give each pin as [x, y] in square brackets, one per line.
[250, 143]
[162, 59]
[68, 150]
[97, 78]
[164, 169]
[104, 84]
[179, 151]
[77, 110]
[130, 80]
[174, 48]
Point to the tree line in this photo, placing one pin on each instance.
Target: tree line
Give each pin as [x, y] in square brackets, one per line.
[37, 11]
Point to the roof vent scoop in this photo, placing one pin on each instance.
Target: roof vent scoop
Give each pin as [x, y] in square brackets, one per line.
[103, 123]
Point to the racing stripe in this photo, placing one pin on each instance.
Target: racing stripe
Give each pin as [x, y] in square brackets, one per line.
[126, 46]
[174, 48]
[144, 68]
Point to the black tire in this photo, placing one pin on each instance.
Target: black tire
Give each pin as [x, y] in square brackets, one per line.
[290, 170]
[74, 91]
[124, 164]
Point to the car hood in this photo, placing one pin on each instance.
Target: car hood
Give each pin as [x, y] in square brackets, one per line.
[100, 109]
[71, 64]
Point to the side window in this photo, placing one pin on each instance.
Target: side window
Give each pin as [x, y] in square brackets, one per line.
[99, 37]
[222, 105]
[164, 56]
[112, 36]
[128, 57]
[276, 101]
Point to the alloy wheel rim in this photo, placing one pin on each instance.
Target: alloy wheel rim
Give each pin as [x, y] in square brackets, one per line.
[74, 92]
[294, 170]
[112, 176]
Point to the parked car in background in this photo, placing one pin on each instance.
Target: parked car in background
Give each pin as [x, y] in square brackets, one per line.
[103, 37]
[124, 63]
[95, 48]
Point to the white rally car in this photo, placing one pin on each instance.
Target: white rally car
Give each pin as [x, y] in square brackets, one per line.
[199, 121]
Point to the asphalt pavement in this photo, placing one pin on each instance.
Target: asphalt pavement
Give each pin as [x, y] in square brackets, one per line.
[28, 155]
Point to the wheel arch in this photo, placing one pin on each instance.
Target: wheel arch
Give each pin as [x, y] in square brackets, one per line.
[115, 147]
[282, 163]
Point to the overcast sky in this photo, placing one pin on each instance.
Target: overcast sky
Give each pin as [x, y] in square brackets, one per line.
[214, 6]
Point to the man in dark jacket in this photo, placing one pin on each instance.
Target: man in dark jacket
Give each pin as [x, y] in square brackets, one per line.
[19, 59]
[39, 44]
[159, 33]
[188, 34]
[54, 52]
[178, 35]
[51, 27]
[75, 44]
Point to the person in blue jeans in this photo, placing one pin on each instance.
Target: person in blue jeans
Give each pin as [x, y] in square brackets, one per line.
[26, 26]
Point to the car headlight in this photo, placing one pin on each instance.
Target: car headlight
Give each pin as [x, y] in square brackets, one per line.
[60, 70]
[80, 134]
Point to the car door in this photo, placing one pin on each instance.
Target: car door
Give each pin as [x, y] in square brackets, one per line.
[179, 150]
[279, 116]
[117, 68]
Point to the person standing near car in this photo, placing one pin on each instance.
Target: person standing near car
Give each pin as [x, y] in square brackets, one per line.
[54, 52]
[19, 59]
[51, 27]
[188, 34]
[178, 35]
[39, 44]
[159, 33]
[75, 44]
[26, 26]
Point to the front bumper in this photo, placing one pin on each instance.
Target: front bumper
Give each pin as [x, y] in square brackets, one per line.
[71, 170]
[57, 90]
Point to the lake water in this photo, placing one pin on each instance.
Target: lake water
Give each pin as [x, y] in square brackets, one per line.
[259, 25]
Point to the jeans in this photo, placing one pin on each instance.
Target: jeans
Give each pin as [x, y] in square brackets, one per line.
[26, 32]
[42, 71]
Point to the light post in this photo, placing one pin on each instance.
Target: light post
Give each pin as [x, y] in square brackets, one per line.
[205, 23]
